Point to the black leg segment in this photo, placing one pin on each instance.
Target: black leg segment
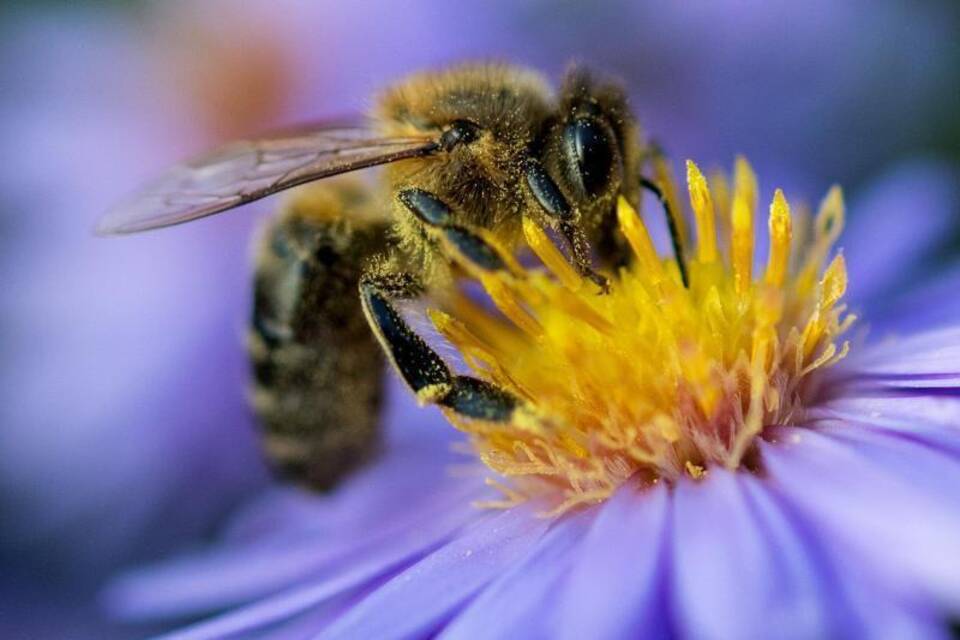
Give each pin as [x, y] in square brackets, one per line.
[428, 208]
[478, 399]
[419, 366]
[422, 368]
[580, 249]
[650, 186]
[437, 217]
[547, 193]
[474, 249]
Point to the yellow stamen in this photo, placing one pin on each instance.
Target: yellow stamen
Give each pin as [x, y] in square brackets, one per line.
[745, 182]
[826, 229]
[780, 230]
[636, 233]
[550, 255]
[696, 471]
[702, 204]
[741, 243]
[653, 380]
[722, 199]
[663, 173]
[506, 299]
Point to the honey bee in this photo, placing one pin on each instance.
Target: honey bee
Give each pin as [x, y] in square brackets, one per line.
[470, 153]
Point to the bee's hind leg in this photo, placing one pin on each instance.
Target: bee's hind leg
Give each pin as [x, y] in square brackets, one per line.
[422, 368]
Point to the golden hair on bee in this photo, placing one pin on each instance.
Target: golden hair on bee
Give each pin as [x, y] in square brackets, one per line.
[503, 115]
[500, 110]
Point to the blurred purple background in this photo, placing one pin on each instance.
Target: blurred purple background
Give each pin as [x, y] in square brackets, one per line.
[123, 428]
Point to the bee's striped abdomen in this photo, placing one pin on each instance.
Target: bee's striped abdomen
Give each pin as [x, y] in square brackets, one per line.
[318, 371]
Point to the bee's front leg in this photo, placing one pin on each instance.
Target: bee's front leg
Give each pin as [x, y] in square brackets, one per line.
[580, 249]
[559, 215]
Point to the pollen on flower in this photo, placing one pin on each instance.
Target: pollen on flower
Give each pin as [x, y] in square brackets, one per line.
[654, 379]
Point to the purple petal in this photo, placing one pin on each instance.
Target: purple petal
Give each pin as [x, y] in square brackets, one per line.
[930, 419]
[925, 360]
[897, 452]
[359, 568]
[524, 597]
[307, 624]
[616, 586]
[410, 470]
[928, 303]
[871, 610]
[234, 574]
[741, 568]
[289, 536]
[319, 597]
[895, 224]
[893, 505]
[417, 601]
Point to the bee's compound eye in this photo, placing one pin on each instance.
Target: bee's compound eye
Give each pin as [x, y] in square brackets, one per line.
[590, 153]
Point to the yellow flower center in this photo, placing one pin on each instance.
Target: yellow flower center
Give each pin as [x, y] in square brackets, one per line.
[653, 379]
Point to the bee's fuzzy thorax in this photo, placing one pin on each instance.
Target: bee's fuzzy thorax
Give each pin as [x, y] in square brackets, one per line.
[518, 117]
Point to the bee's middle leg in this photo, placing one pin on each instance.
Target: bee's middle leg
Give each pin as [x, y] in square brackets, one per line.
[420, 367]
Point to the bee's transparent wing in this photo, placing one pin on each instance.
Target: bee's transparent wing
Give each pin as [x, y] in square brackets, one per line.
[248, 170]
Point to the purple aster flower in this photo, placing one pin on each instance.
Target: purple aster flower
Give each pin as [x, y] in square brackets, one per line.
[766, 470]
[103, 432]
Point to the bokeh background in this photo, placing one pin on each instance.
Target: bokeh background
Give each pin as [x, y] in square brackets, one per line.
[124, 433]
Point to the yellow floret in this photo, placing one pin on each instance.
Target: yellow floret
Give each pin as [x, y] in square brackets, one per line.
[653, 379]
